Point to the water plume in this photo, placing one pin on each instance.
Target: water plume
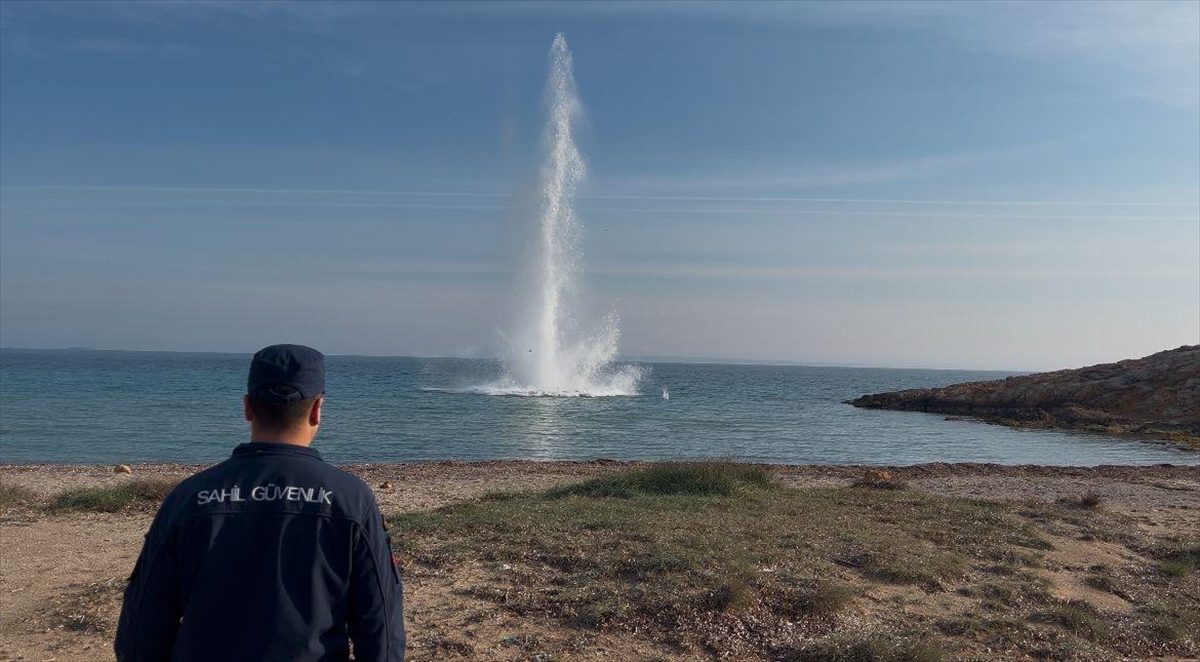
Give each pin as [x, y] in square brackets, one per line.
[547, 355]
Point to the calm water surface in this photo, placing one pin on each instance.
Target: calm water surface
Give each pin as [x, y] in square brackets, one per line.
[100, 406]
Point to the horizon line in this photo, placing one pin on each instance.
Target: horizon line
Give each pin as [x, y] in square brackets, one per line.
[632, 358]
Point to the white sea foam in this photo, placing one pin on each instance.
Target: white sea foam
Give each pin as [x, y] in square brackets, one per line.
[546, 355]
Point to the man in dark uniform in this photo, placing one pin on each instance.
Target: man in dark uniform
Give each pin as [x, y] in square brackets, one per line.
[271, 555]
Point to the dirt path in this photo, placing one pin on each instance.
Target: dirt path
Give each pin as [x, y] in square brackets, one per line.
[61, 575]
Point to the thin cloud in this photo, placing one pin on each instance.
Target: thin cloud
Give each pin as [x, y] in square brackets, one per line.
[1059, 247]
[755, 178]
[114, 46]
[51, 188]
[807, 177]
[716, 213]
[787, 273]
[965, 203]
[1149, 49]
[404, 267]
[729, 272]
[1144, 49]
[822, 175]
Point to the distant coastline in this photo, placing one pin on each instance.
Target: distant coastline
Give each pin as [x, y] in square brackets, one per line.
[1154, 397]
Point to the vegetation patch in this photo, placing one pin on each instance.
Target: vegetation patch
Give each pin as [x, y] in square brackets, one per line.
[1179, 562]
[965, 625]
[814, 598]
[91, 607]
[1168, 623]
[130, 495]
[722, 555]
[1086, 501]
[1076, 616]
[12, 496]
[889, 566]
[695, 479]
[1103, 583]
[865, 647]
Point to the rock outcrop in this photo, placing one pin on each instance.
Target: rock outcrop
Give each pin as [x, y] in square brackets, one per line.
[1155, 397]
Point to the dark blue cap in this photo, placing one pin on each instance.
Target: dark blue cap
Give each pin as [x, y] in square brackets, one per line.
[296, 366]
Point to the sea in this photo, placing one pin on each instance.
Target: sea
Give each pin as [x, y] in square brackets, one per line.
[95, 406]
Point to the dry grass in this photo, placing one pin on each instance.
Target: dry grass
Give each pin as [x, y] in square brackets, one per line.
[716, 557]
[1075, 616]
[1086, 501]
[1171, 623]
[15, 496]
[720, 560]
[1179, 562]
[697, 479]
[131, 495]
[91, 608]
[864, 647]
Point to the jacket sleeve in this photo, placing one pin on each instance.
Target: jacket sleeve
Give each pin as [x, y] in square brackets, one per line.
[151, 612]
[376, 615]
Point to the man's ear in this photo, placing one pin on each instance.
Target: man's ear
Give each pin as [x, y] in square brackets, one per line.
[246, 410]
[314, 415]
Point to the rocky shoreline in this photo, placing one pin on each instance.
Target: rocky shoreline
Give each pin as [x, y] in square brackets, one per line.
[1155, 397]
[422, 485]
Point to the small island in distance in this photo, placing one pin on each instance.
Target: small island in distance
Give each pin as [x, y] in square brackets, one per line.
[1154, 397]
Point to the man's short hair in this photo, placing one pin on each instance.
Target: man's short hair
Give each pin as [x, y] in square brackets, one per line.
[274, 413]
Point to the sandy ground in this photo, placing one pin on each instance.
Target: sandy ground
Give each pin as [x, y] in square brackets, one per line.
[61, 575]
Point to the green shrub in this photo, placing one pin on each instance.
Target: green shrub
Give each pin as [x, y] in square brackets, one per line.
[1073, 615]
[1168, 623]
[694, 479]
[814, 598]
[1179, 562]
[113, 498]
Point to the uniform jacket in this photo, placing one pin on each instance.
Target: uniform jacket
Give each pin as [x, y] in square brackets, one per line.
[271, 555]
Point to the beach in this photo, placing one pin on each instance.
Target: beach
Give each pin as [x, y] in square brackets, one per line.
[790, 331]
[62, 571]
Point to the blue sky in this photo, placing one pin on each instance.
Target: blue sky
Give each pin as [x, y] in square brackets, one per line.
[975, 185]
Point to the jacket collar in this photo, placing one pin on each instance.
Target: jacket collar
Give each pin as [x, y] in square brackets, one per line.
[268, 448]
